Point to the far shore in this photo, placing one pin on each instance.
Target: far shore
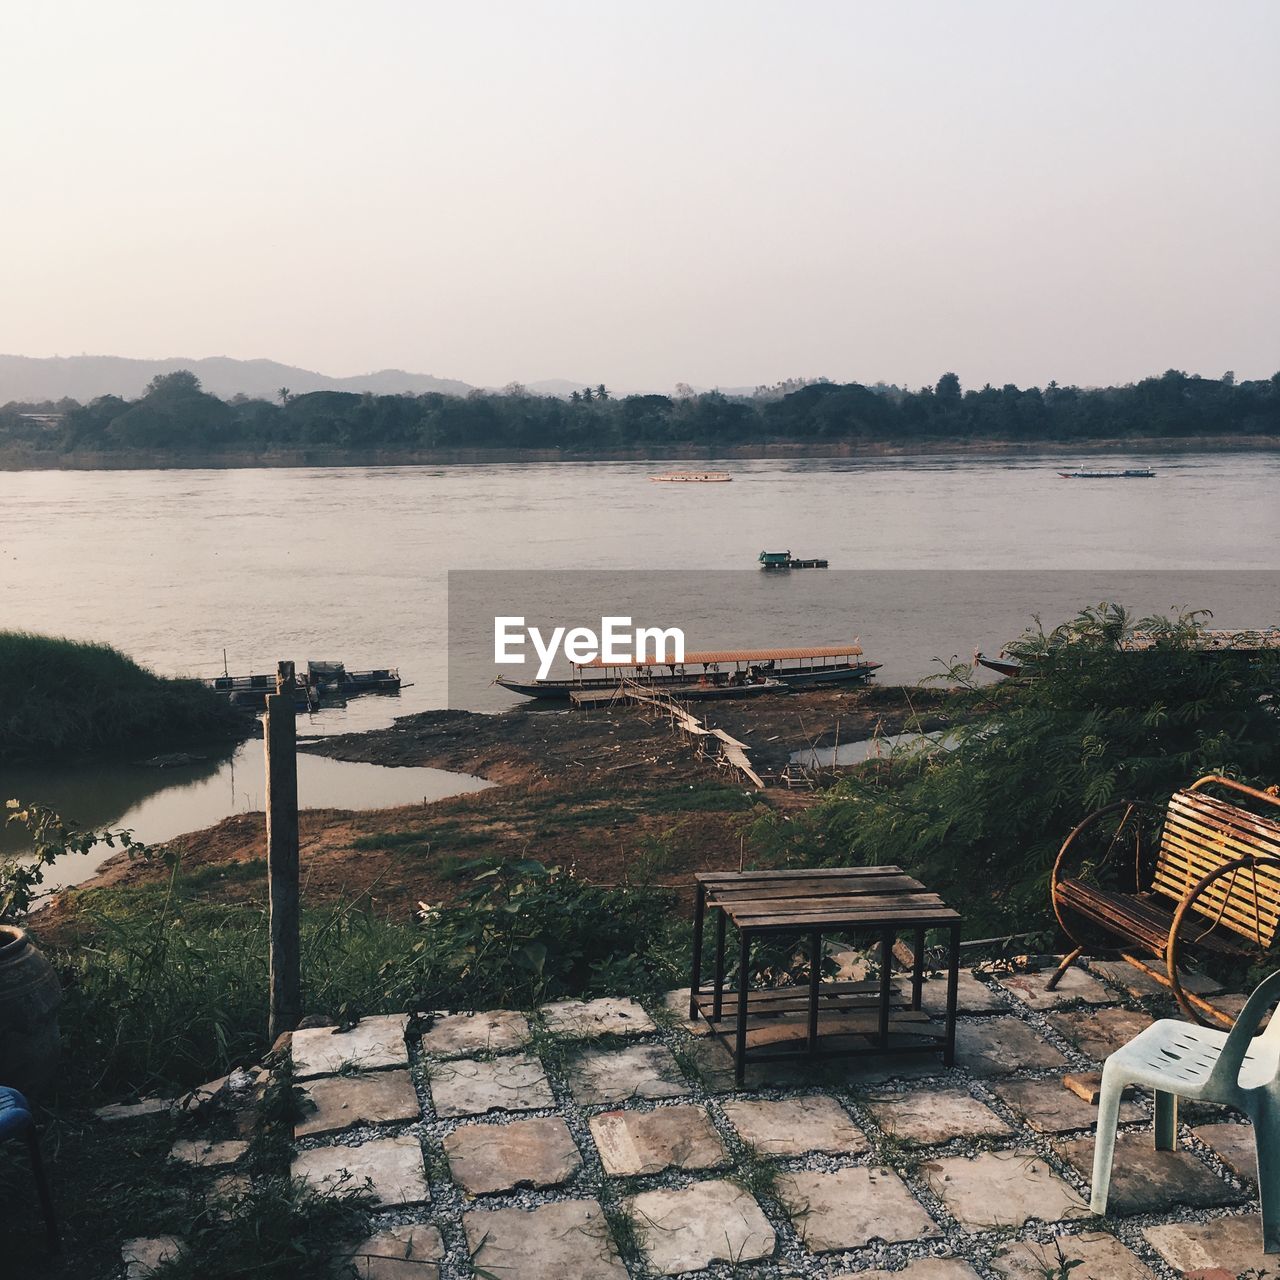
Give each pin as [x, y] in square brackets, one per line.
[17, 459]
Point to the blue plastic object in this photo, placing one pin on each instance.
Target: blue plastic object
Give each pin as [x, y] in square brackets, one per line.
[15, 1114]
[16, 1120]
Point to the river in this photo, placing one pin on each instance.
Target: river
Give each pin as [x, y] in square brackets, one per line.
[351, 563]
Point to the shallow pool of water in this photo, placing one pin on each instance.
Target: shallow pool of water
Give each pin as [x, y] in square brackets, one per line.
[856, 752]
[158, 804]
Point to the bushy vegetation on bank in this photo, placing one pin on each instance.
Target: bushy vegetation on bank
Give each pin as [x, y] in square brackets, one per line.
[176, 416]
[67, 698]
[982, 817]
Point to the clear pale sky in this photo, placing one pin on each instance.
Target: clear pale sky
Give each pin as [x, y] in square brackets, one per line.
[716, 192]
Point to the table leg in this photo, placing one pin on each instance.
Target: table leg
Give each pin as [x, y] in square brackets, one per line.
[953, 986]
[717, 1007]
[740, 1054]
[886, 973]
[815, 977]
[917, 972]
[695, 979]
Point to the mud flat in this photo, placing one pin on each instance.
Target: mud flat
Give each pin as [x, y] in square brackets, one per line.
[613, 793]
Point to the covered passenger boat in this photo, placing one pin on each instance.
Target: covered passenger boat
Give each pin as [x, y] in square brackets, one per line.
[714, 668]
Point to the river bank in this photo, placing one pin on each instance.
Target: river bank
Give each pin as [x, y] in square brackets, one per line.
[613, 793]
[28, 459]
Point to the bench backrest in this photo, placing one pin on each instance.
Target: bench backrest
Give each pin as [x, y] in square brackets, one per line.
[1202, 833]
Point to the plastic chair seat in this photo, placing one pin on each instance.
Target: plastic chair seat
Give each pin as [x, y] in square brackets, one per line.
[1180, 1059]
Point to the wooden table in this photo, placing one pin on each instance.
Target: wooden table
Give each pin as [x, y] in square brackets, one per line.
[825, 1019]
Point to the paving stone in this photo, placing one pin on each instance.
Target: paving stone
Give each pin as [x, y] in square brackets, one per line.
[935, 1115]
[568, 1240]
[1098, 1033]
[455, 1035]
[1233, 1005]
[615, 1075]
[852, 1207]
[714, 1064]
[380, 1097]
[1234, 1145]
[390, 1168]
[677, 1003]
[373, 1043]
[1144, 1180]
[1221, 1249]
[484, 1158]
[472, 1087]
[1076, 984]
[1100, 1256]
[1001, 1046]
[796, 1126]
[118, 1112]
[691, 1227]
[411, 1252]
[1049, 1107]
[604, 1017]
[143, 1254]
[972, 996]
[636, 1142]
[919, 1269]
[206, 1154]
[1002, 1189]
[1143, 986]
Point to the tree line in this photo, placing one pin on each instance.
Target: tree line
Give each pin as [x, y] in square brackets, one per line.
[176, 416]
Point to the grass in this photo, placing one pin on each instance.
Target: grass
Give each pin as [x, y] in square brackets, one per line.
[62, 698]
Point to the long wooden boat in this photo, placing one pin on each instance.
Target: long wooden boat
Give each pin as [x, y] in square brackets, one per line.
[1208, 642]
[692, 477]
[791, 668]
[1129, 473]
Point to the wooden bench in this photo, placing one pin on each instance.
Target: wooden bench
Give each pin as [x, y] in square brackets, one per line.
[1214, 880]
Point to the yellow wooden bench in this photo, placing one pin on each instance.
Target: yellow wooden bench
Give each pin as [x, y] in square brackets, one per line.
[1214, 880]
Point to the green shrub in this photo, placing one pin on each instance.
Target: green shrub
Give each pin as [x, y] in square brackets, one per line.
[64, 697]
[982, 821]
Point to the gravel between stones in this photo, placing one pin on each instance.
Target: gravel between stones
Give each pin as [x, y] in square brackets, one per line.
[765, 1178]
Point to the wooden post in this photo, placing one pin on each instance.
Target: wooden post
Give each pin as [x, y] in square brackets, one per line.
[280, 739]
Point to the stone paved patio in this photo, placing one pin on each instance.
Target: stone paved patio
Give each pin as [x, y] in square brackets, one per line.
[541, 1146]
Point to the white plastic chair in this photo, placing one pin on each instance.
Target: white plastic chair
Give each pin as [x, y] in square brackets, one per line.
[1179, 1059]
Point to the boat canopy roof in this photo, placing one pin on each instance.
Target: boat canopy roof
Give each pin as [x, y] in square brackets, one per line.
[741, 655]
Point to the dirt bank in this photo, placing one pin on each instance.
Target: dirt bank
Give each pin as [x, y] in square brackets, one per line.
[616, 794]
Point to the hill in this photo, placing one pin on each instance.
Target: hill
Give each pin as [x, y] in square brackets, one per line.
[35, 379]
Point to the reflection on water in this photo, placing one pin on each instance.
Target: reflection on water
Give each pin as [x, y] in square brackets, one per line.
[158, 804]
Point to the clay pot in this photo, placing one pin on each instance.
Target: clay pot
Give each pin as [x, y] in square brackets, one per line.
[29, 999]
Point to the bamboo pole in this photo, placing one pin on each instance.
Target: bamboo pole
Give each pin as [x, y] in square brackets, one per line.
[280, 739]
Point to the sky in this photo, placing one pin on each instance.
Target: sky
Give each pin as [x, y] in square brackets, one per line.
[724, 192]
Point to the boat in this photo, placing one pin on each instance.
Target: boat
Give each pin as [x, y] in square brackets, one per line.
[792, 668]
[776, 560]
[692, 691]
[324, 684]
[333, 677]
[1003, 665]
[692, 477]
[1130, 473]
[1208, 642]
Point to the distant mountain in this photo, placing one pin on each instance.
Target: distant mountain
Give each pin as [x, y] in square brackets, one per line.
[83, 378]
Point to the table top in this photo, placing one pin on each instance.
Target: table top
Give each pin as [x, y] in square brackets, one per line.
[825, 897]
